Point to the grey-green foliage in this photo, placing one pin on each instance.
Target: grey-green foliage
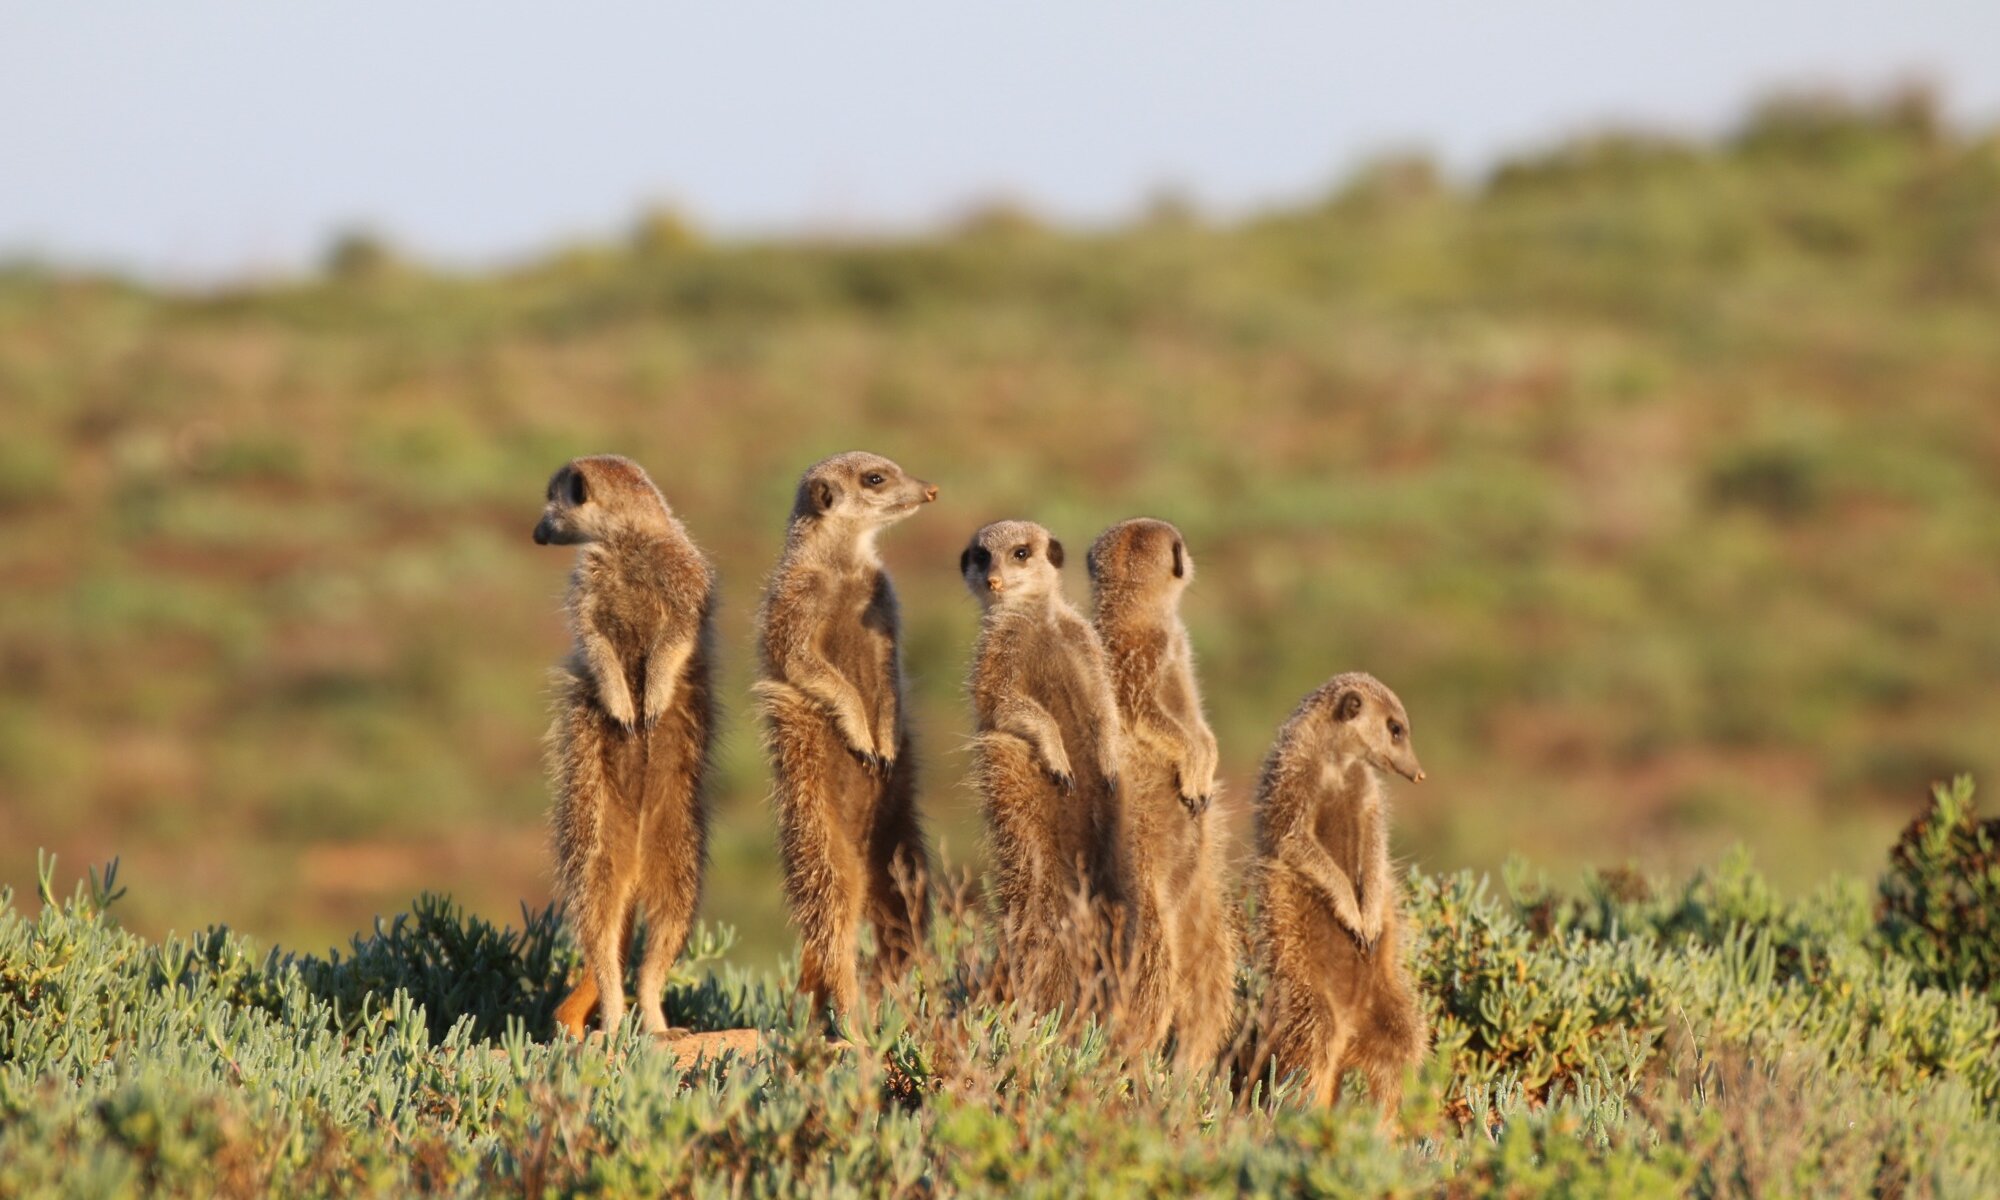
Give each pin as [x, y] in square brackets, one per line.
[1632, 1037]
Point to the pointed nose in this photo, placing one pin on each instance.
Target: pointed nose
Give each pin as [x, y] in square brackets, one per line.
[930, 492]
[541, 533]
[1419, 776]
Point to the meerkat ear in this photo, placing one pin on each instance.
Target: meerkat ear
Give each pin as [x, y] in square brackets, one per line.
[1090, 562]
[1180, 565]
[965, 560]
[1055, 552]
[1348, 707]
[823, 494]
[579, 490]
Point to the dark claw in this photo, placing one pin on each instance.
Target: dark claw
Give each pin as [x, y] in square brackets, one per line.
[1111, 784]
[1196, 805]
[1065, 782]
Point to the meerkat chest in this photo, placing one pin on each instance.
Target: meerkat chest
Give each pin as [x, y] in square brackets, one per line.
[858, 630]
[1342, 823]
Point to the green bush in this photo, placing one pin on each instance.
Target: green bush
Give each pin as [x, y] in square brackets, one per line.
[1940, 899]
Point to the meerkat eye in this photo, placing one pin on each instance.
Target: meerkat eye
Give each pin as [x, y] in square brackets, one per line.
[1020, 554]
[873, 478]
[1396, 730]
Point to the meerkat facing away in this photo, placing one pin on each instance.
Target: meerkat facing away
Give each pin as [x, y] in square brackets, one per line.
[837, 730]
[629, 748]
[1184, 977]
[1330, 927]
[1048, 756]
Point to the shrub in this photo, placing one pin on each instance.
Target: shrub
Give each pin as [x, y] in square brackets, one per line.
[1940, 899]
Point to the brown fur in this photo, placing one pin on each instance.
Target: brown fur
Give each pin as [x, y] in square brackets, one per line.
[1047, 760]
[1182, 972]
[1330, 929]
[635, 716]
[836, 729]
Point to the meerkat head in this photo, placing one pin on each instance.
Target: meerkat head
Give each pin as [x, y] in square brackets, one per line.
[1368, 722]
[590, 499]
[1012, 562]
[860, 490]
[1139, 559]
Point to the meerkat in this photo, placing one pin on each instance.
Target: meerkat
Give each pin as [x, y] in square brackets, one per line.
[837, 728]
[629, 747]
[1048, 757]
[1330, 927]
[1183, 977]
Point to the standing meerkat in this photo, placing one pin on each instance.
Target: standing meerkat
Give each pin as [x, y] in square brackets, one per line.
[1330, 926]
[635, 715]
[1047, 759]
[1184, 977]
[836, 726]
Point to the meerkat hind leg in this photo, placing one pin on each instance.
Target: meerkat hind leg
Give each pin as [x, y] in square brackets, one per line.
[898, 901]
[669, 900]
[827, 888]
[829, 941]
[602, 926]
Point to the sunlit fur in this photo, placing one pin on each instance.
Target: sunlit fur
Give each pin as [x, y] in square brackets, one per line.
[836, 728]
[634, 719]
[1182, 971]
[1329, 922]
[1047, 759]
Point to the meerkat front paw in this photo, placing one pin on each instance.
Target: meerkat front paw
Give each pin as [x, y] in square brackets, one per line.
[1110, 756]
[885, 752]
[617, 703]
[875, 763]
[657, 701]
[860, 742]
[1196, 788]
[1058, 768]
[1367, 930]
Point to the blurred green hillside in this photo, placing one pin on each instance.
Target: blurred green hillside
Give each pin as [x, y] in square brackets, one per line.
[1662, 480]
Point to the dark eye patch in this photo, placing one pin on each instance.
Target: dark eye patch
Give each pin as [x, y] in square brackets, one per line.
[982, 558]
[579, 491]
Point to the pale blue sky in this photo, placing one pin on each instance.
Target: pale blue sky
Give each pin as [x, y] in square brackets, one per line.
[208, 137]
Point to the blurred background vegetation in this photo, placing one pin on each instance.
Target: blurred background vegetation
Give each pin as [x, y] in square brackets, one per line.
[1661, 479]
